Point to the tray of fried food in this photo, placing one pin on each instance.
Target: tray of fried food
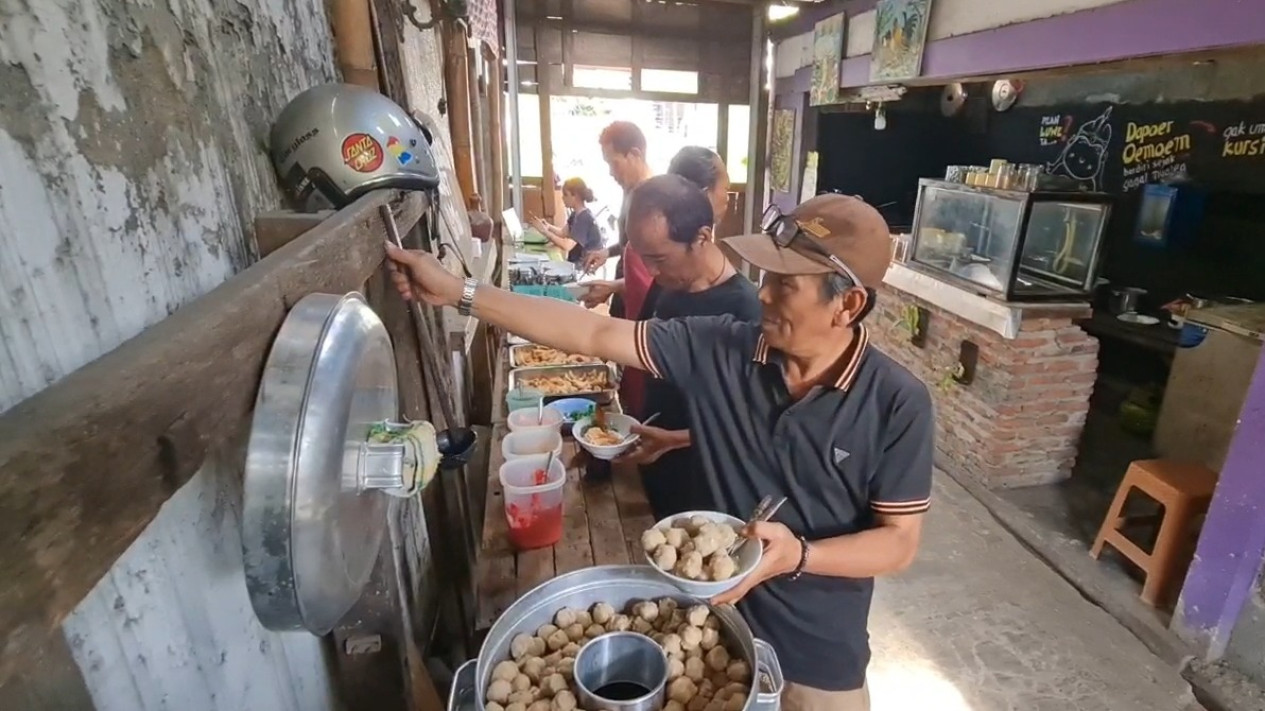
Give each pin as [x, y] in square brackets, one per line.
[570, 380]
[534, 355]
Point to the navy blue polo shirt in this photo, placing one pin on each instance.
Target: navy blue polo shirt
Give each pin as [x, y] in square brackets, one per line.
[842, 454]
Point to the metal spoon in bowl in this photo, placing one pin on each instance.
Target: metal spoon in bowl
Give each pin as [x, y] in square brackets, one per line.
[648, 420]
[644, 422]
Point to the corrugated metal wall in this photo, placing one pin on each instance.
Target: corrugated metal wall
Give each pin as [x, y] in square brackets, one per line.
[132, 162]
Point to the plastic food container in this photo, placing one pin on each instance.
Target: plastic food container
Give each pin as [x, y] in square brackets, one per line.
[574, 408]
[747, 559]
[614, 422]
[522, 398]
[533, 501]
[531, 443]
[526, 420]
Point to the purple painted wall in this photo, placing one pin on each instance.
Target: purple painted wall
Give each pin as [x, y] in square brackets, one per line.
[1232, 545]
[1131, 29]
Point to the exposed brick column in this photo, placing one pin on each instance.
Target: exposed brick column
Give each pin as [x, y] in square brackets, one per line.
[1020, 421]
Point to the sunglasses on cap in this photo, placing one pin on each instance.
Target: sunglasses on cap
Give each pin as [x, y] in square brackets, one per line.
[784, 229]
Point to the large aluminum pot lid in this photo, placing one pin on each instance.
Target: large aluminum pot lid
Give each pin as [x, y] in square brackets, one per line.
[309, 537]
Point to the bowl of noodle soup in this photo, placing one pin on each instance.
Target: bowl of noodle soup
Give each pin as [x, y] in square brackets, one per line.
[606, 442]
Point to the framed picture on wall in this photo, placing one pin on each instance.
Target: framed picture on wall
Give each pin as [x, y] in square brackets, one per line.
[827, 56]
[782, 150]
[900, 36]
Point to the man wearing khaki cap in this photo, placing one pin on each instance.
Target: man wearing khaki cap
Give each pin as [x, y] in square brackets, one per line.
[798, 405]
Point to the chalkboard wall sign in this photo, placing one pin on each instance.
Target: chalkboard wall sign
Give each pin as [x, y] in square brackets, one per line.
[1115, 148]
[1120, 148]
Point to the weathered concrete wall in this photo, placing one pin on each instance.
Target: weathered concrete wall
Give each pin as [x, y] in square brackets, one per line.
[132, 162]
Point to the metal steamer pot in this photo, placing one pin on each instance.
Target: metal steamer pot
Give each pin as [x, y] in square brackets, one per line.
[618, 586]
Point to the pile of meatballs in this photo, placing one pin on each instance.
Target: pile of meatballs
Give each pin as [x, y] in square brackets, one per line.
[694, 548]
[702, 674]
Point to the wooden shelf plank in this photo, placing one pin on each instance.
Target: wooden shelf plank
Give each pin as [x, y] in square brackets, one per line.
[634, 510]
[602, 525]
[86, 464]
[574, 551]
[497, 586]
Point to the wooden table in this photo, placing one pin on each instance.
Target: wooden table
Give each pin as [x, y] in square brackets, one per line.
[602, 525]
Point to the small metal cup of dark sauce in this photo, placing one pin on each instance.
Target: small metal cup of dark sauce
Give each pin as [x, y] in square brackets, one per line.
[621, 671]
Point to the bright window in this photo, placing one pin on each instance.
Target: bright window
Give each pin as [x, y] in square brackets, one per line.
[669, 81]
[528, 135]
[739, 135]
[610, 78]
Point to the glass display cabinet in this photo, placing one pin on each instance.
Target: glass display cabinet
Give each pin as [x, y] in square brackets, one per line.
[1020, 246]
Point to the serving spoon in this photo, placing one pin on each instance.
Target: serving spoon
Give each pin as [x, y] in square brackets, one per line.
[763, 512]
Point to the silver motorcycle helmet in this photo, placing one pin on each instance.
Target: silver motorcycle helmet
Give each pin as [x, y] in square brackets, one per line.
[340, 141]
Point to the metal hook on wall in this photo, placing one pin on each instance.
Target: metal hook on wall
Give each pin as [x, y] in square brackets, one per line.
[455, 10]
[410, 12]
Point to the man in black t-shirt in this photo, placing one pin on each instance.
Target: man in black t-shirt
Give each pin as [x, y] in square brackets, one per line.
[670, 225]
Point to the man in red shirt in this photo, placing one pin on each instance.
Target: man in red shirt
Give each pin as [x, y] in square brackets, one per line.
[624, 150]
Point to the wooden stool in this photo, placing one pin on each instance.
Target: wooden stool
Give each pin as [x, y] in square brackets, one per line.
[1184, 490]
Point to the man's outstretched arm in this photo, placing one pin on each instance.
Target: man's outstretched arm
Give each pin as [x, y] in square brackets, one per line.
[550, 322]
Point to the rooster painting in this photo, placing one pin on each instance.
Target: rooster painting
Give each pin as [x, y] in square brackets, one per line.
[900, 34]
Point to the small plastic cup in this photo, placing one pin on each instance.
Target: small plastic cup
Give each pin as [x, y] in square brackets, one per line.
[522, 398]
[533, 501]
[526, 420]
[531, 443]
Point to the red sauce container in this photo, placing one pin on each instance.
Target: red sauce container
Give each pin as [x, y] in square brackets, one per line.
[533, 501]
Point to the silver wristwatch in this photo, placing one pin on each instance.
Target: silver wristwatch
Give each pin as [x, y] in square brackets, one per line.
[466, 304]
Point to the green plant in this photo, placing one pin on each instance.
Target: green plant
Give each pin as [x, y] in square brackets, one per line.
[908, 320]
[949, 377]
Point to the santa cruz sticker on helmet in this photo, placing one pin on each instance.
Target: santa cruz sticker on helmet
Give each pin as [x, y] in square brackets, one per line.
[362, 153]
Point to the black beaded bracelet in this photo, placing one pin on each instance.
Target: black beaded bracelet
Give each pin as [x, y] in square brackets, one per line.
[803, 559]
